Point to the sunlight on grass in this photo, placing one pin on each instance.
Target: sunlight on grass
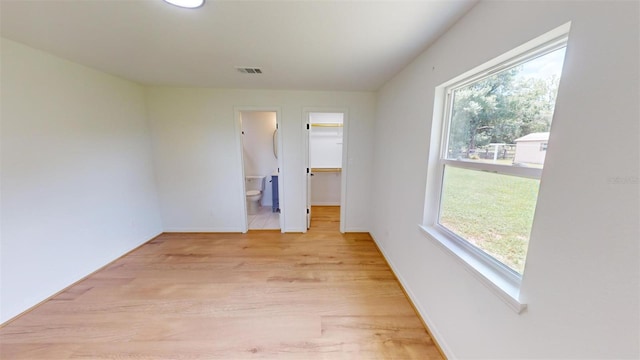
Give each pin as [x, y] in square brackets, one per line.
[494, 212]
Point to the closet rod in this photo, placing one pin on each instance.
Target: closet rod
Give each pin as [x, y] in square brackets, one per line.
[327, 125]
[326, 170]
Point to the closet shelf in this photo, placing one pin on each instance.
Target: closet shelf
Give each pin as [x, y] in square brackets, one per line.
[327, 125]
[326, 169]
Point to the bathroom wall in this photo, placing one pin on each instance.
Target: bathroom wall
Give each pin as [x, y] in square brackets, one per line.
[258, 156]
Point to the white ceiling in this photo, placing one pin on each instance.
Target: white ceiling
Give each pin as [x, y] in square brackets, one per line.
[301, 45]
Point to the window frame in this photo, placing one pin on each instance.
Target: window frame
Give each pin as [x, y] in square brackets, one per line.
[500, 278]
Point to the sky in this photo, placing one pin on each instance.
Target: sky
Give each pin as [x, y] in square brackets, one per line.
[544, 66]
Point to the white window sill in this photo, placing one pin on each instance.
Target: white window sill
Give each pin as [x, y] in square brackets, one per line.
[508, 290]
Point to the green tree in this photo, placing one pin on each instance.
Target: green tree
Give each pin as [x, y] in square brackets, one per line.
[500, 109]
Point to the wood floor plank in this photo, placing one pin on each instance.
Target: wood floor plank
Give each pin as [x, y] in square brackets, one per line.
[260, 295]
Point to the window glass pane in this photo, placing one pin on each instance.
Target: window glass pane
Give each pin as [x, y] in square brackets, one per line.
[491, 211]
[505, 117]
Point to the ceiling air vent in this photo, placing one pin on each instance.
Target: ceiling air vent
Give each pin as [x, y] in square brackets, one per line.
[249, 70]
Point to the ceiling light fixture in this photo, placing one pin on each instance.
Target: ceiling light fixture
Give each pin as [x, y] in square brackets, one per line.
[189, 4]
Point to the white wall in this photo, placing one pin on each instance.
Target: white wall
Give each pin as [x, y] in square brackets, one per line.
[581, 281]
[198, 166]
[325, 188]
[77, 184]
[325, 143]
[325, 147]
[257, 141]
[325, 151]
[529, 152]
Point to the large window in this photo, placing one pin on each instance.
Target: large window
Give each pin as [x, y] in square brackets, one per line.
[495, 128]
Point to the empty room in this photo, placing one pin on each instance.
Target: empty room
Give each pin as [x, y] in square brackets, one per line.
[218, 179]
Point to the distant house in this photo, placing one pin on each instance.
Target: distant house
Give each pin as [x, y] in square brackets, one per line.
[531, 148]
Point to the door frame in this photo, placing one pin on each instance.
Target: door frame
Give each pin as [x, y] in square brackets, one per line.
[306, 178]
[237, 111]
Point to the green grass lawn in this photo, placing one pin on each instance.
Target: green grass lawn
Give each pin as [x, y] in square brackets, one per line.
[493, 212]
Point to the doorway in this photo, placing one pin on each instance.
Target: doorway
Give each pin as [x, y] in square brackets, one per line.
[261, 168]
[325, 160]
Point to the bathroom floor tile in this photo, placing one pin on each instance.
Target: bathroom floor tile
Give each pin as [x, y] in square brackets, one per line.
[272, 224]
[264, 219]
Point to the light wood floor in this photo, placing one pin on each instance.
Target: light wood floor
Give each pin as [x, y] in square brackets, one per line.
[261, 295]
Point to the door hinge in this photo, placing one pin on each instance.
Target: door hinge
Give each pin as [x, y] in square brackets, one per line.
[307, 170]
[278, 170]
[308, 211]
[307, 126]
[276, 126]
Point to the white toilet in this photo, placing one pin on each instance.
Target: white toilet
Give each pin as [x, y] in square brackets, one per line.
[254, 186]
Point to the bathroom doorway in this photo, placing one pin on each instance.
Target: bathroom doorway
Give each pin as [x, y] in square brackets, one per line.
[261, 164]
[326, 173]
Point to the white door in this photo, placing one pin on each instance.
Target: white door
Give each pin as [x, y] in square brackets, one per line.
[309, 174]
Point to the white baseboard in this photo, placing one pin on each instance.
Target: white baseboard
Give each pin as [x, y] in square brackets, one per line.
[194, 230]
[432, 328]
[223, 230]
[356, 230]
[34, 304]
